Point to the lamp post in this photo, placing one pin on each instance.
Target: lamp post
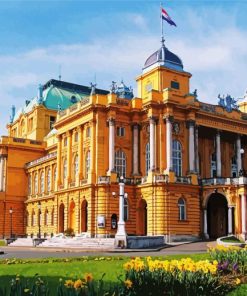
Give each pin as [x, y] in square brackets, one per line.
[121, 236]
[39, 213]
[11, 214]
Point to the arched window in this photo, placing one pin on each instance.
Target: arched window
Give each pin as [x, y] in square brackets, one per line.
[234, 171]
[52, 217]
[213, 165]
[49, 180]
[46, 215]
[36, 183]
[42, 184]
[182, 209]
[64, 170]
[147, 160]
[126, 209]
[177, 157]
[76, 166]
[120, 163]
[87, 164]
[33, 218]
[27, 218]
[29, 185]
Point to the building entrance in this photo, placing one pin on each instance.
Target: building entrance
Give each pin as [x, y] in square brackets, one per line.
[143, 217]
[217, 216]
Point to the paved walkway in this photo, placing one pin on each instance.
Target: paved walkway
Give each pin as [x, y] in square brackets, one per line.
[32, 252]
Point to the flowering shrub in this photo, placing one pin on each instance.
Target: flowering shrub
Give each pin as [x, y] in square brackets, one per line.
[183, 277]
[230, 259]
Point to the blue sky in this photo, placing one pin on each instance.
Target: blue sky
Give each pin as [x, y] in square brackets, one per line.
[112, 39]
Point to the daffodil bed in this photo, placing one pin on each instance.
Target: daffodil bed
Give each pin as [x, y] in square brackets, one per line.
[124, 276]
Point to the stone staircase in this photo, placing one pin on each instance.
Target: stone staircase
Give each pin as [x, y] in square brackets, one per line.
[22, 242]
[79, 242]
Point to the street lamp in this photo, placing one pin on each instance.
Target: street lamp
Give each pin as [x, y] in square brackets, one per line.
[121, 236]
[11, 214]
[39, 213]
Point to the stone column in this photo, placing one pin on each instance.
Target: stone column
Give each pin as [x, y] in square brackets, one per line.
[243, 214]
[69, 155]
[238, 154]
[205, 223]
[111, 122]
[218, 154]
[169, 120]
[59, 159]
[136, 149]
[197, 150]
[152, 143]
[191, 127]
[80, 155]
[229, 220]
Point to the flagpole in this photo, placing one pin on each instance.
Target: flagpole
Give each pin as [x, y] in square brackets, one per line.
[161, 23]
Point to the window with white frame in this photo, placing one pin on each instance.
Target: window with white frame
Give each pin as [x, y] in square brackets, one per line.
[64, 170]
[49, 180]
[42, 182]
[36, 183]
[182, 209]
[213, 166]
[87, 163]
[120, 131]
[147, 157]
[76, 166]
[120, 163]
[177, 157]
[126, 210]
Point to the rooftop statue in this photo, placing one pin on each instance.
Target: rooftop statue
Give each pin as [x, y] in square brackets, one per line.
[228, 103]
[93, 88]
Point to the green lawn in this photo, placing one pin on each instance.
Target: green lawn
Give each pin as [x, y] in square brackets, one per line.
[2, 243]
[51, 271]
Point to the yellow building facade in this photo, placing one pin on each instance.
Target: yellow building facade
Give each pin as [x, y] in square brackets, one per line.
[182, 160]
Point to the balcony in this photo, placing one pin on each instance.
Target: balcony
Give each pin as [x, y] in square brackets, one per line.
[183, 180]
[161, 178]
[83, 182]
[224, 181]
[104, 180]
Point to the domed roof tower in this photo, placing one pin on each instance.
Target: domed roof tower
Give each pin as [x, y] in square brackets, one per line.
[163, 57]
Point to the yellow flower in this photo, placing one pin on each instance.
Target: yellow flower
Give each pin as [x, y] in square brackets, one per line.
[238, 281]
[69, 284]
[88, 277]
[78, 284]
[128, 283]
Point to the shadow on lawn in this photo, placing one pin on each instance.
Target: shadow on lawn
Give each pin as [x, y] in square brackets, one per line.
[52, 283]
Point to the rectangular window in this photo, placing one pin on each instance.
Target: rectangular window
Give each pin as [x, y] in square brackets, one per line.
[174, 84]
[52, 121]
[88, 132]
[120, 131]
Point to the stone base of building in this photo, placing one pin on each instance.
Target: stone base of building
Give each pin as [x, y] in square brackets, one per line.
[177, 238]
[145, 242]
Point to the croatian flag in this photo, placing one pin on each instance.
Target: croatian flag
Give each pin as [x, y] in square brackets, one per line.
[166, 17]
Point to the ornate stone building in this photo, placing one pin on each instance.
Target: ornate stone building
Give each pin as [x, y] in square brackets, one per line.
[183, 160]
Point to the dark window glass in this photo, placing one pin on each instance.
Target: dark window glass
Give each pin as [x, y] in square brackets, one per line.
[174, 85]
